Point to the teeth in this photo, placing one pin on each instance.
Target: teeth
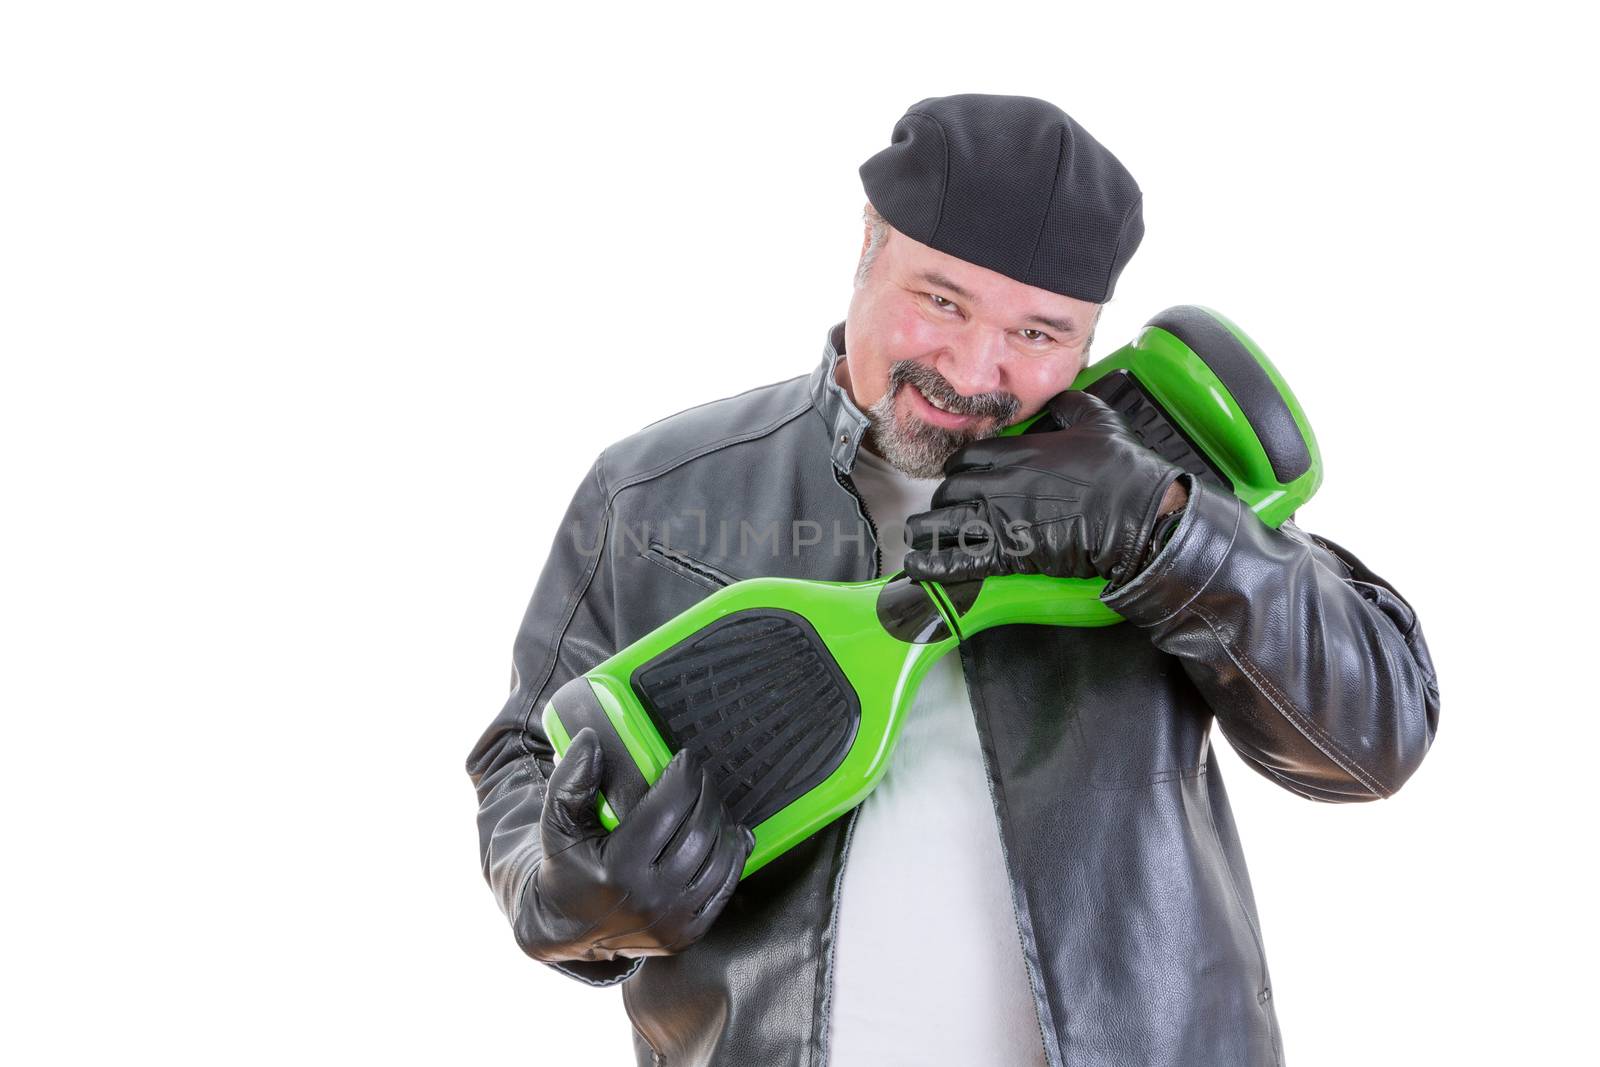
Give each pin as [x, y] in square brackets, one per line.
[935, 403]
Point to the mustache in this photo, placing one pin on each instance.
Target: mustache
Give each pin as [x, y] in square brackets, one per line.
[1001, 406]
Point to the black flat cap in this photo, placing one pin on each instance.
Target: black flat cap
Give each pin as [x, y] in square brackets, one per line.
[1013, 184]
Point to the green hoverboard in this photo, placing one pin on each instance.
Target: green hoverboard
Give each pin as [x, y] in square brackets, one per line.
[791, 692]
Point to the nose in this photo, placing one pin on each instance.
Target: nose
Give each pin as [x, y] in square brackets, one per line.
[972, 365]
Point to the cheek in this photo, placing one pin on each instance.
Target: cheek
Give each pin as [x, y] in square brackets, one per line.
[909, 334]
[897, 334]
[1034, 384]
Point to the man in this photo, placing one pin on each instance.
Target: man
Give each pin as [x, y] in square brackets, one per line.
[1049, 871]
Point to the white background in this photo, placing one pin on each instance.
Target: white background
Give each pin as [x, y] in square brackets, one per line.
[313, 315]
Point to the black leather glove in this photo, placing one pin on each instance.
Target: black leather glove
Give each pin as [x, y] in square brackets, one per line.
[651, 887]
[1075, 502]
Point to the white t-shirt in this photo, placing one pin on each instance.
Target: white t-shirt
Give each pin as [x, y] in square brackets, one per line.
[928, 964]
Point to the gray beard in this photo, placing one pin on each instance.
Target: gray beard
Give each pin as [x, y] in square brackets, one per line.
[917, 448]
[918, 451]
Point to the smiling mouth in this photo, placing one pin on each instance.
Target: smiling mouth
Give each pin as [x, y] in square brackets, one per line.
[935, 414]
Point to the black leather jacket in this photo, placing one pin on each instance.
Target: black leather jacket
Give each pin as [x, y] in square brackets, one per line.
[1129, 887]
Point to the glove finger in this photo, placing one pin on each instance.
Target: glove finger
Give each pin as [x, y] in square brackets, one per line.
[942, 527]
[686, 913]
[571, 808]
[688, 849]
[965, 487]
[988, 452]
[956, 564]
[732, 845]
[716, 884]
[662, 809]
[1039, 478]
[1076, 408]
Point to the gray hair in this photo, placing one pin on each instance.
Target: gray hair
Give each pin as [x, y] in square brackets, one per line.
[880, 233]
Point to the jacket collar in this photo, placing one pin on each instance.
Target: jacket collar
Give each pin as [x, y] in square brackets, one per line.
[844, 421]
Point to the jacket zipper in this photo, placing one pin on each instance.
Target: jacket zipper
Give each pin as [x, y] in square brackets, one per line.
[849, 487]
[1041, 1007]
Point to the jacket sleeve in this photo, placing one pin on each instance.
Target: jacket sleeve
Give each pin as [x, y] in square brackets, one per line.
[566, 630]
[1315, 668]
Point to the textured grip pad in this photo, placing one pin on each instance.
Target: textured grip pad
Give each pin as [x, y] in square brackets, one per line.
[760, 701]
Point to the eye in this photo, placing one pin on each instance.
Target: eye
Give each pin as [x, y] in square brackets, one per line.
[940, 302]
[1040, 338]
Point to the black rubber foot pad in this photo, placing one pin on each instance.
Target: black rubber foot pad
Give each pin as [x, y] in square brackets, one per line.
[1123, 394]
[1247, 381]
[759, 700]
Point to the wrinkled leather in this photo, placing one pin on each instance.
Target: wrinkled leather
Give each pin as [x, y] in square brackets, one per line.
[1131, 894]
[1077, 502]
[651, 888]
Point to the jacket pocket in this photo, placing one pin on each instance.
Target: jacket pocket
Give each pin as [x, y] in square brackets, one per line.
[686, 566]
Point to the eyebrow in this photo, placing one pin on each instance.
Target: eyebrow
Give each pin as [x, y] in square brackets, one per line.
[938, 280]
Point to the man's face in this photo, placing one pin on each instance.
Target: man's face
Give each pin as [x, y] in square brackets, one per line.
[987, 347]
